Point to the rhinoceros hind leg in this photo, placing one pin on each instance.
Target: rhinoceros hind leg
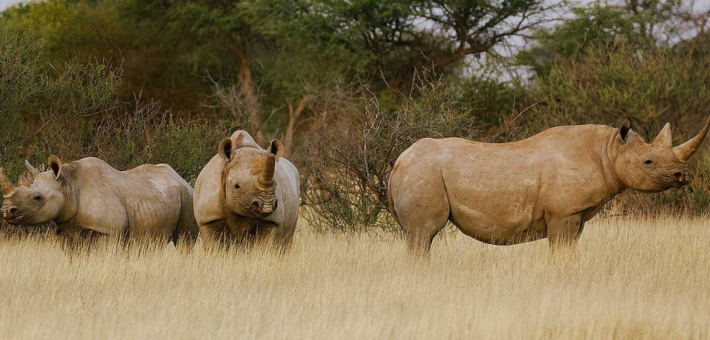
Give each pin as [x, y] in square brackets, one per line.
[186, 231]
[421, 207]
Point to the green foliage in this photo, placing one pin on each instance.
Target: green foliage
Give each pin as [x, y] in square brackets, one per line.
[651, 88]
[73, 72]
[591, 27]
[493, 100]
[170, 49]
[72, 111]
[606, 85]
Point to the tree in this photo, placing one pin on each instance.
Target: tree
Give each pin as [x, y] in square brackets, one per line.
[396, 36]
[591, 27]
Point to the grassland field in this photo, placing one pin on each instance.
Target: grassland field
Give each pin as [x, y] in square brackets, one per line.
[629, 278]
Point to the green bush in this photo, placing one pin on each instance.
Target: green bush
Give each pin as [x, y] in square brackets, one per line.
[73, 112]
[651, 88]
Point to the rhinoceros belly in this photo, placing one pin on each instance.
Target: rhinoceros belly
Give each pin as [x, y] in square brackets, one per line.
[496, 213]
[498, 231]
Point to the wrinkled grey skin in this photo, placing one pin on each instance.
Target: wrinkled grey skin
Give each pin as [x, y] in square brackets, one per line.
[246, 193]
[548, 185]
[89, 197]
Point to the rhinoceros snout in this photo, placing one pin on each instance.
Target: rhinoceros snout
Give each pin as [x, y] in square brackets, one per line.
[680, 178]
[262, 209]
[10, 214]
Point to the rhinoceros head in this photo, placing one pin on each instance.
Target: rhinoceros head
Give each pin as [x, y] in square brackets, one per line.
[653, 167]
[248, 178]
[36, 199]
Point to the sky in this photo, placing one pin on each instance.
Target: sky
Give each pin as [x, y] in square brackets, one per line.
[7, 3]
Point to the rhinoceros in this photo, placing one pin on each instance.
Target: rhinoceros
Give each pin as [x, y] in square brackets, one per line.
[548, 185]
[88, 196]
[246, 193]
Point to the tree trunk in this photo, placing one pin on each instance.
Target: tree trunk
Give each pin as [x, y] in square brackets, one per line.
[251, 102]
[293, 116]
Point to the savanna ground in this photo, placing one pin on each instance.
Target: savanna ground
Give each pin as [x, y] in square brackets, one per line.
[629, 278]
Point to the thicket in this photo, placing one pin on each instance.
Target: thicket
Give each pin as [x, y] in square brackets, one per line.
[348, 160]
[651, 88]
[347, 85]
[72, 111]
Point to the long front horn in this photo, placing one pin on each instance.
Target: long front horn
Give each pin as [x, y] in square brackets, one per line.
[687, 149]
[266, 177]
[5, 184]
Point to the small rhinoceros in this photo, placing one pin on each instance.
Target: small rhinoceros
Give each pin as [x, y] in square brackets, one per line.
[150, 202]
[548, 185]
[246, 193]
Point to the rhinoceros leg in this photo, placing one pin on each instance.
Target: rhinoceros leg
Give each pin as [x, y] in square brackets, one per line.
[66, 242]
[214, 235]
[73, 240]
[283, 238]
[268, 233]
[421, 206]
[259, 234]
[186, 231]
[564, 231]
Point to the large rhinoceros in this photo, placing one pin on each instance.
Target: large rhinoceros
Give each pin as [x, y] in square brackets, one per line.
[548, 185]
[150, 202]
[246, 193]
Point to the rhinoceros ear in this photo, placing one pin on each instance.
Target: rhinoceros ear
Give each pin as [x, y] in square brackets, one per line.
[55, 164]
[276, 148]
[225, 149]
[624, 130]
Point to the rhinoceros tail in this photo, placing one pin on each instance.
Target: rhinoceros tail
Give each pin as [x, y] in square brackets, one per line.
[390, 201]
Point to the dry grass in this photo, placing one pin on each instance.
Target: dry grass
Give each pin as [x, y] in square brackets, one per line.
[628, 279]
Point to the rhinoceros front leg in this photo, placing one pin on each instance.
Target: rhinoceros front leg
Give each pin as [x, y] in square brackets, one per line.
[564, 231]
[73, 240]
[214, 235]
[269, 233]
[283, 238]
[260, 233]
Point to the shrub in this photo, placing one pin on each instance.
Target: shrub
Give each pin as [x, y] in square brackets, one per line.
[651, 88]
[353, 147]
[73, 112]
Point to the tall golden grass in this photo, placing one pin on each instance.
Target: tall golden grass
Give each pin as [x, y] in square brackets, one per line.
[627, 279]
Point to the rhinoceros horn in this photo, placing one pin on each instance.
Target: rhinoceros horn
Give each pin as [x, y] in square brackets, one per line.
[5, 184]
[664, 138]
[266, 177]
[31, 170]
[687, 149]
[23, 182]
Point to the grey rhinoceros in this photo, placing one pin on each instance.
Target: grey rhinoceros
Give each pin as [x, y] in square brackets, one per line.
[88, 196]
[548, 185]
[246, 193]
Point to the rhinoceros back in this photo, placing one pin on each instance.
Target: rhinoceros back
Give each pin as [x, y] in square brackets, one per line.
[145, 200]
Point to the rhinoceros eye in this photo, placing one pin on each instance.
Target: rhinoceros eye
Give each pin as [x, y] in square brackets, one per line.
[236, 186]
[37, 197]
[648, 162]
